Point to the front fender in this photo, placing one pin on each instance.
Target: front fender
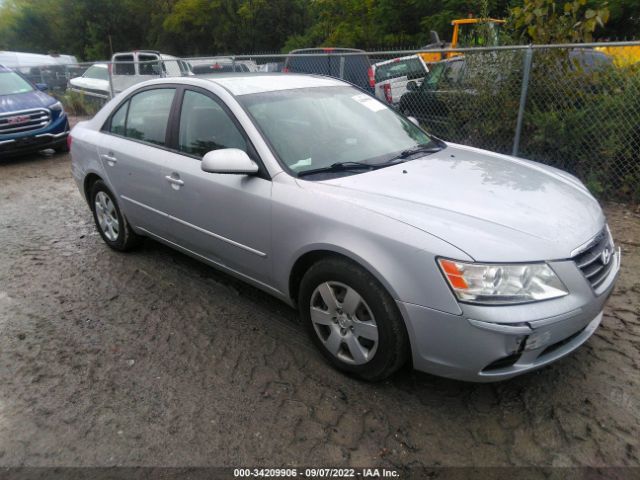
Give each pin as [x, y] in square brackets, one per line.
[401, 257]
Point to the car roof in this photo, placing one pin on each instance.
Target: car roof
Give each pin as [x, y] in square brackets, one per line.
[397, 60]
[325, 50]
[253, 82]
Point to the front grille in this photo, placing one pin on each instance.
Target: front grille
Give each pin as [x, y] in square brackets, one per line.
[596, 260]
[26, 121]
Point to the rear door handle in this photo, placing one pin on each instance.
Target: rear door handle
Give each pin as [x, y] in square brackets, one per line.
[175, 182]
[110, 159]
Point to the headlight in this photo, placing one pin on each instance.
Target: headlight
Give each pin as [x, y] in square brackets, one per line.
[502, 283]
[57, 107]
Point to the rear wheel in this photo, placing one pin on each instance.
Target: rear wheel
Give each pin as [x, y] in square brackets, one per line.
[352, 319]
[111, 224]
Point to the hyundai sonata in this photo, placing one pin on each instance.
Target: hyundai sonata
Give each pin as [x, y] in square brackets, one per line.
[394, 245]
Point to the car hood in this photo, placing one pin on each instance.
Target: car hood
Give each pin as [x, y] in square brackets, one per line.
[491, 206]
[24, 101]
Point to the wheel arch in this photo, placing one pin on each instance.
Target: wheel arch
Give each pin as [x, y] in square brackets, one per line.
[306, 259]
[88, 183]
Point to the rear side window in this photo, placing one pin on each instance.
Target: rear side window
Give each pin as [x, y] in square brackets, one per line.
[206, 126]
[148, 115]
[118, 120]
[124, 68]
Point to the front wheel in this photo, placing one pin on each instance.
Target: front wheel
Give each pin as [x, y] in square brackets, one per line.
[352, 319]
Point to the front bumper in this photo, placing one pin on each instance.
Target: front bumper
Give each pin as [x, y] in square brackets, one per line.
[52, 136]
[490, 343]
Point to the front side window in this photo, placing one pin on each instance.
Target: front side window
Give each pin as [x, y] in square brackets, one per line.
[317, 127]
[148, 115]
[205, 126]
[12, 83]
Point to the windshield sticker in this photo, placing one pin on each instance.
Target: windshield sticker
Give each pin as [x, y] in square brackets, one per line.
[305, 162]
[371, 103]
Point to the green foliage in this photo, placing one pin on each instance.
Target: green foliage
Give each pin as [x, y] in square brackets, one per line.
[583, 121]
[92, 29]
[79, 104]
[552, 21]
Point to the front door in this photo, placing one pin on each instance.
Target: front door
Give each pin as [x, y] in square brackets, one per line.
[225, 218]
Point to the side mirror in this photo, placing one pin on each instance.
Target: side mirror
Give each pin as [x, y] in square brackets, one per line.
[412, 86]
[434, 38]
[43, 87]
[414, 120]
[230, 161]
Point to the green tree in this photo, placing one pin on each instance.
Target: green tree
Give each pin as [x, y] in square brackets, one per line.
[551, 21]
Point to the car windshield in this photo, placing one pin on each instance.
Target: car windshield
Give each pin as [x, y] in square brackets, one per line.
[11, 83]
[315, 128]
[99, 73]
[399, 68]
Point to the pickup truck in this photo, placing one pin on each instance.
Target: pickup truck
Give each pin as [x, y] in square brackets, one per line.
[129, 68]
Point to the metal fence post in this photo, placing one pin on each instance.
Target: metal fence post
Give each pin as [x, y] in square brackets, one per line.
[110, 67]
[233, 63]
[528, 56]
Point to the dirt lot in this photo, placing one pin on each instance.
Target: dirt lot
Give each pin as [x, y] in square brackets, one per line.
[151, 358]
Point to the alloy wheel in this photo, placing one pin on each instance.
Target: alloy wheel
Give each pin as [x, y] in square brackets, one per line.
[107, 216]
[344, 323]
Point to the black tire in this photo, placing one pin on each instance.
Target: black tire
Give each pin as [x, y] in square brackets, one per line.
[393, 343]
[126, 238]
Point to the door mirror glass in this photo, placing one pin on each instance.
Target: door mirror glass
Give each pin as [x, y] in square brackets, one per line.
[412, 86]
[230, 161]
[43, 87]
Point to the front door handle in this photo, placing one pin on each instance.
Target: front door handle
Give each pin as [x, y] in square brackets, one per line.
[175, 182]
[110, 159]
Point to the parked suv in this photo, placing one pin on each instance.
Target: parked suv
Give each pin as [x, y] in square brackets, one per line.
[130, 68]
[349, 64]
[390, 77]
[30, 120]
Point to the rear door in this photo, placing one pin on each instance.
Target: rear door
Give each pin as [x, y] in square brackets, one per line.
[133, 151]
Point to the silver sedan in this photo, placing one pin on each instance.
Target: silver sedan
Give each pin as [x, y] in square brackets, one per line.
[394, 245]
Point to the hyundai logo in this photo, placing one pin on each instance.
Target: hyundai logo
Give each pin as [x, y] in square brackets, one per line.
[606, 256]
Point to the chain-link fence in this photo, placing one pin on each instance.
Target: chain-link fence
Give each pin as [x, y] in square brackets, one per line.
[576, 107]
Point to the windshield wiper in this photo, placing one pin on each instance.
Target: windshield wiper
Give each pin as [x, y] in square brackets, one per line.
[339, 167]
[423, 148]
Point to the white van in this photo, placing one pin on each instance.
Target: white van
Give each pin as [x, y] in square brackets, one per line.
[129, 68]
[51, 70]
[22, 60]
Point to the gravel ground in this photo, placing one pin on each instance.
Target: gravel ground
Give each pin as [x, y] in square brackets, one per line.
[150, 358]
